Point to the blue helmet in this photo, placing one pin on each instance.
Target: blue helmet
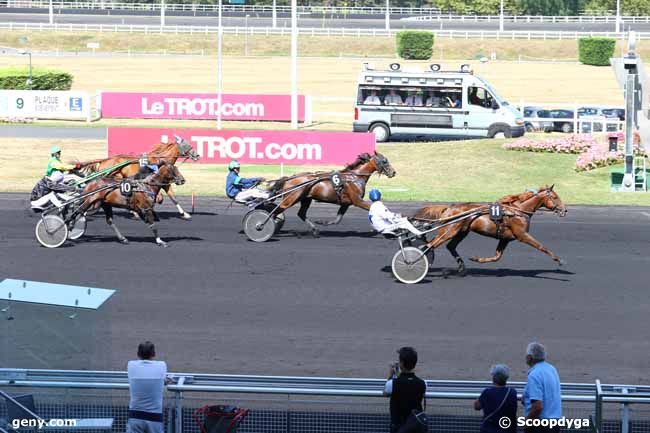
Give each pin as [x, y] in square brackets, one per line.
[375, 194]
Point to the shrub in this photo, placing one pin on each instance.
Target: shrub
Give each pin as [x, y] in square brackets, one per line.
[415, 45]
[16, 79]
[596, 51]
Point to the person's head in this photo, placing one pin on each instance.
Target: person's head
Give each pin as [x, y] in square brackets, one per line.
[500, 374]
[55, 151]
[393, 92]
[56, 176]
[535, 352]
[373, 93]
[234, 166]
[375, 194]
[408, 358]
[146, 350]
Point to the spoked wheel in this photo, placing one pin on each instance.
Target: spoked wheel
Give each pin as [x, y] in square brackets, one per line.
[51, 231]
[77, 229]
[258, 226]
[279, 222]
[409, 265]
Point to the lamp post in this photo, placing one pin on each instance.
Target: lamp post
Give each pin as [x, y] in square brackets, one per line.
[387, 18]
[501, 17]
[275, 15]
[294, 64]
[28, 53]
[219, 67]
[246, 36]
[618, 16]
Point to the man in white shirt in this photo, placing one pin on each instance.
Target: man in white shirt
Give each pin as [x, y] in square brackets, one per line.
[385, 221]
[393, 98]
[147, 379]
[413, 100]
[372, 99]
[433, 100]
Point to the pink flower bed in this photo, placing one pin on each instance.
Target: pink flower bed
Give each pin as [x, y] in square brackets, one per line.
[593, 152]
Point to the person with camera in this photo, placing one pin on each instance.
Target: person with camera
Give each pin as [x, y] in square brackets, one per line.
[406, 392]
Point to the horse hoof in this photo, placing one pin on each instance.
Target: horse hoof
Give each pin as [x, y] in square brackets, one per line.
[315, 233]
[461, 272]
[163, 244]
[124, 241]
[561, 262]
[186, 216]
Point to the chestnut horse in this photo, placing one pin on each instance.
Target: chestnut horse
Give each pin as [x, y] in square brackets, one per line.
[160, 154]
[517, 213]
[319, 186]
[141, 200]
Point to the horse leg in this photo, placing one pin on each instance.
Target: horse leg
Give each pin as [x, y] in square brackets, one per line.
[339, 216]
[108, 211]
[172, 197]
[149, 218]
[503, 243]
[451, 246]
[526, 238]
[302, 214]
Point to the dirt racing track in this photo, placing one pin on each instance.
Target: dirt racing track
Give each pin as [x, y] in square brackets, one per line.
[215, 302]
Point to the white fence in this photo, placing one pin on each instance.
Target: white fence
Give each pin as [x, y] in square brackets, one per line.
[371, 10]
[306, 31]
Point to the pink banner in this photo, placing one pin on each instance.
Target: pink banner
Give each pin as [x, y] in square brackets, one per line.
[199, 106]
[252, 147]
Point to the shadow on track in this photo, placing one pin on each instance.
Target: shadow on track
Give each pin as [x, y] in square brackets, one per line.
[133, 239]
[446, 273]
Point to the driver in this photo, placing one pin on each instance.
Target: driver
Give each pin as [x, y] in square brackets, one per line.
[48, 191]
[385, 221]
[243, 189]
[55, 164]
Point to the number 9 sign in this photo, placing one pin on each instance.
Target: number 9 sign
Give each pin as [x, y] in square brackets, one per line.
[20, 103]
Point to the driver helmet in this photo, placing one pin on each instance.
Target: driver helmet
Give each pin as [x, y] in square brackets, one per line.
[233, 164]
[56, 177]
[54, 150]
[375, 194]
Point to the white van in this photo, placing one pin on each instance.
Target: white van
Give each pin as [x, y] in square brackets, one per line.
[445, 104]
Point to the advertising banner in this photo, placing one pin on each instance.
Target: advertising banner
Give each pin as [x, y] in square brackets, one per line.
[44, 104]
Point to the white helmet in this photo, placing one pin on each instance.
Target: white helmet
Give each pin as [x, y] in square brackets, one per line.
[56, 177]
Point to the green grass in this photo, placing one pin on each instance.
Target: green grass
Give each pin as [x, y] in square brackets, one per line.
[24, 70]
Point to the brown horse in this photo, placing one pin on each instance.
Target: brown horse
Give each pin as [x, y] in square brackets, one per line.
[320, 186]
[517, 213]
[141, 200]
[160, 154]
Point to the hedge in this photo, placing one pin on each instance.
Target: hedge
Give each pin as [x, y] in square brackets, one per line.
[16, 79]
[596, 51]
[415, 45]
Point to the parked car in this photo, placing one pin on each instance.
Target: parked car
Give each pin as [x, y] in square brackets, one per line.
[565, 126]
[614, 112]
[589, 111]
[531, 125]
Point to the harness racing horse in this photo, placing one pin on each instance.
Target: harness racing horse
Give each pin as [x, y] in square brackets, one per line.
[515, 223]
[141, 200]
[320, 186]
[160, 154]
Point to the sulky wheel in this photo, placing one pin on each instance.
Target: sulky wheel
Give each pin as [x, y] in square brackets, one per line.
[409, 265]
[51, 231]
[259, 226]
[77, 229]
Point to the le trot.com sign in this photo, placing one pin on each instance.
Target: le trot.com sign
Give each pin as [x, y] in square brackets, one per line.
[252, 147]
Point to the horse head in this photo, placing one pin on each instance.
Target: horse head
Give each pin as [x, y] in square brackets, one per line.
[382, 166]
[169, 173]
[185, 149]
[551, 200]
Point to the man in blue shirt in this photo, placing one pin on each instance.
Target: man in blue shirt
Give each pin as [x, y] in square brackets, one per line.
[241, 188]
[542, 395]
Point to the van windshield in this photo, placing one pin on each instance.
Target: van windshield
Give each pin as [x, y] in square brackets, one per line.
[496, 96]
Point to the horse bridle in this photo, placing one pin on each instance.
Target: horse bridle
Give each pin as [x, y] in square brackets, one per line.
[185, 150]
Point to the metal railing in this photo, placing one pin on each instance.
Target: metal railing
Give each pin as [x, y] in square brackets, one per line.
[305, 31]
[310, 403]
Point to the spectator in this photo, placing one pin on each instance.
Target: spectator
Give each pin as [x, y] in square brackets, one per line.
[413, 100]
[372, 99]
[147, 379]
[454, 101]
[433, 100]
[405, 389]
[498, 401]
[542, 395]
[393, 98]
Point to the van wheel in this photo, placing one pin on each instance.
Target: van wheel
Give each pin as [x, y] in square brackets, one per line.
[530, 127]
[500, 132]
[381, 131]
[567, 127]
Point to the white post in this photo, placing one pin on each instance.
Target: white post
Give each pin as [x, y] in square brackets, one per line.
[275, 15]
[387, 15]
[618, 16]
[51, 12]
[501, 18]
[219, 67]
[246, 36]
[294, 64]
[162, 13]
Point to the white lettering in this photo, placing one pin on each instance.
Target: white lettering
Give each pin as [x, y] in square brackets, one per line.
[202, 107]
[155, 108]
[236, 147]
[568, 423]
